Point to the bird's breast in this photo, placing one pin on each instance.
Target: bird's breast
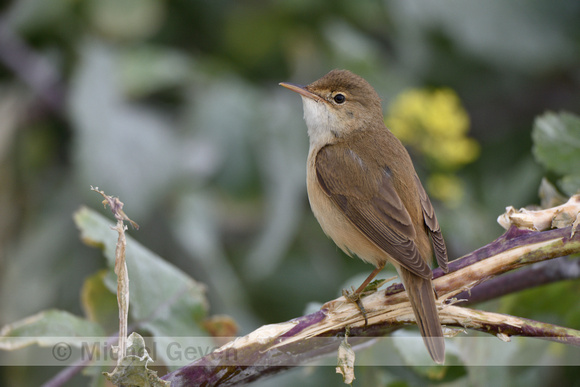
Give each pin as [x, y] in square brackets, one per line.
[336, 225]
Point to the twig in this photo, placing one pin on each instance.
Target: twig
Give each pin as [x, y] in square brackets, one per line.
[541, 273]
[273, 348]
[68, 372]
[120, 268]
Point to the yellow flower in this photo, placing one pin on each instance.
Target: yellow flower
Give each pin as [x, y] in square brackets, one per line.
[435, 124]
[450, 153]
[446, 187]
[444, 116]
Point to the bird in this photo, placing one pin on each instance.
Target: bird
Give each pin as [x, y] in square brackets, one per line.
[365, 193]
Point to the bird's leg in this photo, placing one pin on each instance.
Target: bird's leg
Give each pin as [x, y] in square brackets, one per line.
[371, 277]
[354, 296]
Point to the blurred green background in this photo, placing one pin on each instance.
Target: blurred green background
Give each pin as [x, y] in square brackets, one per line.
[174, 106]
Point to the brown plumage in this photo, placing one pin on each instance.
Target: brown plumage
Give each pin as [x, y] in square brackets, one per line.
[366, 195]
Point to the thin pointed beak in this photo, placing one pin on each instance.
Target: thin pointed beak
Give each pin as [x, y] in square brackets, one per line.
[301, 90]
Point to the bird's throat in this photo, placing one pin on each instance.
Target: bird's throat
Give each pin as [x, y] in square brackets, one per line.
[321, 123]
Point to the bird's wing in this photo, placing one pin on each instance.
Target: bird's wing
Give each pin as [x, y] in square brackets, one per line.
[433, 226]
[371, 203]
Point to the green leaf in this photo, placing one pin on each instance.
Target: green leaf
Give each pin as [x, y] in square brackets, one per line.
[132, 370]
[146, 69]
[45, 329]
[142, 156]
[165, 300]
[126, 19]
[557, 142]
[570, 184]
[100, 303]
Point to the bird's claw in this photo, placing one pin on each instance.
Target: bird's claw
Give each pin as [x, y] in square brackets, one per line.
[355, 297]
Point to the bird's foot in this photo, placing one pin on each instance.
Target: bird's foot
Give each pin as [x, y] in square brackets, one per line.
[355, 297]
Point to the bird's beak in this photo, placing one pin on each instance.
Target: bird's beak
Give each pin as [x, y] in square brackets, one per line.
[302, 91]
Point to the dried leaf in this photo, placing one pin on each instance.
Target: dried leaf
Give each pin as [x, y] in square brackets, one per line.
[565, 215]
[346, 357]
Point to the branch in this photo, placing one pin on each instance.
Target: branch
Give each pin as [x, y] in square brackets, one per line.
[541, 273]
[276, 347]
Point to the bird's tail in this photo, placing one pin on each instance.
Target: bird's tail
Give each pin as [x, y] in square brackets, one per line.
[422, 297]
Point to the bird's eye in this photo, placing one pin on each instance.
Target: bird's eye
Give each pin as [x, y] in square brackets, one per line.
[339, 98]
